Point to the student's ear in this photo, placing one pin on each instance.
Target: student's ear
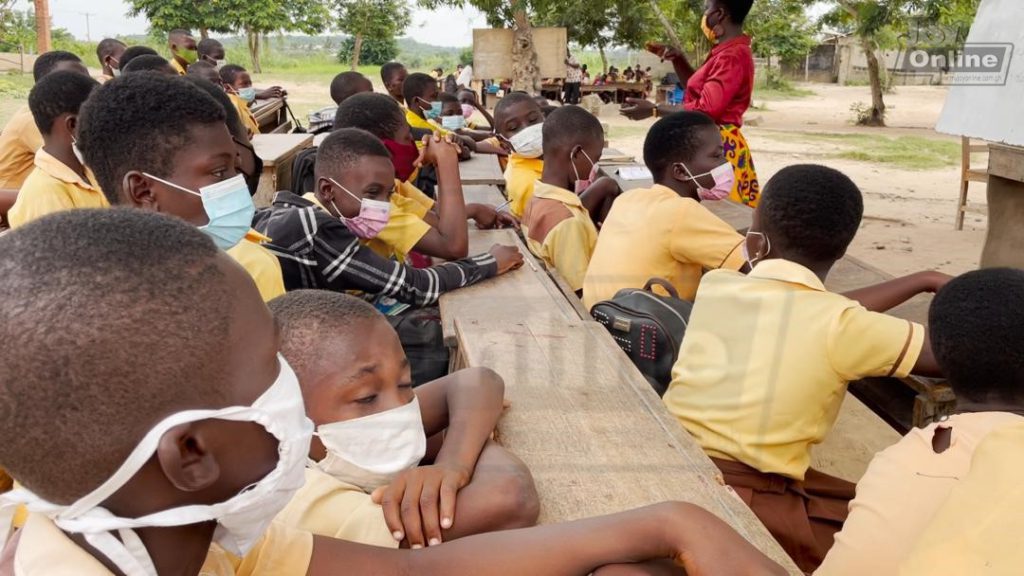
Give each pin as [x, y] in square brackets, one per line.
[185, 458]
[678, 173]
[324, 191]
[138, 189]
[71, 123]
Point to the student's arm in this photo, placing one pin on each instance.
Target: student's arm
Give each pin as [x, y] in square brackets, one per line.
[599, 196]
[926, 364]
[477, 136]
[694, 538]
[888, 295]
[482, 110]
[421, 502]
[449, 235]
[487, 217]
[485, 147]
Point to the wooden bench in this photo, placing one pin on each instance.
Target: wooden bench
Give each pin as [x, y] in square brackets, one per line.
[481, 169]
[920, 401]
[277, 151]
[272, 116]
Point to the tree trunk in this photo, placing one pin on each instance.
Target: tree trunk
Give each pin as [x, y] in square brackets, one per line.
[604, 59]
[525, 73]
[877, 117]
[357, 48]
[204, 32]
[43, 43]
[670, 30]
[253, 41]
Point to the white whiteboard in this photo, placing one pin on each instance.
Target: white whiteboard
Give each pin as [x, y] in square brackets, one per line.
[993, 113]
[492, 52]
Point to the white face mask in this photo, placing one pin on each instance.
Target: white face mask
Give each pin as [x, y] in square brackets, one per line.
[529, 142]
[241, 520]
[369, 452]
[766, 246]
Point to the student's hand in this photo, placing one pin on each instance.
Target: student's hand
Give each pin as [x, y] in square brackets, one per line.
[436, 150]
[421, 502]
[638, 108]
[272, 92]
[705, 545]
[509, 258]
[487, 218]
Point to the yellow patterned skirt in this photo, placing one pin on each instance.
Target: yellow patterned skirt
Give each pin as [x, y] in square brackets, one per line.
[746, 190]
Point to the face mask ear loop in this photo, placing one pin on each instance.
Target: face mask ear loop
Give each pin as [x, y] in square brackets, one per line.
[572, 161]
[690, 174]
[172, 185]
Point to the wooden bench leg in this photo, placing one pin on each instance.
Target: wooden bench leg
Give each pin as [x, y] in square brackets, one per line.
[961, 207]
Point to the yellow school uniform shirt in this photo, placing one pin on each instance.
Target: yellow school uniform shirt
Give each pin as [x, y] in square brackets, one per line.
[903, 488]
[53, 187]
[263, 266]
[45, 550]
[569, 244]
[978, 529]
[520, 176]
[177, 67]
[656, 233]
[415, 121]
[248, 120]
[19, 142]
[764, 365]
[329, 507]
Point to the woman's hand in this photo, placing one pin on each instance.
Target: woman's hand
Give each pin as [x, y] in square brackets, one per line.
[638, 108]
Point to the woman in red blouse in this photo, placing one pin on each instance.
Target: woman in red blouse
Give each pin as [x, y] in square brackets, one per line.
[720, 88]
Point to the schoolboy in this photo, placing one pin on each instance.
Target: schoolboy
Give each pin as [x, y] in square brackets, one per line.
[318, 240]
[423, 108]
[356, 386]
[185, 154]
[518, 121]
[664, 231]
[133, 52]
[973, 322]
[60, 181]
[212, 51]
[150, 63]
[416, 222]
[393, 75]
[454, 118]
[109, 52]
[556, 225]
[343, 87]
[238, 84]
[183, 50]
[208, 72]
[207, 429]
[20, 138]
[764, 365]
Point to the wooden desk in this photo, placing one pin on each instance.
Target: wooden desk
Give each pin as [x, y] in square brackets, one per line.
[277, 152]
[478, 194]
[1005, 207]
[272, 116]
[526, 292]
[596, 437]
[481, 169]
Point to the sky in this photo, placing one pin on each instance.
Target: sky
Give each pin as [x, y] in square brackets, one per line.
[443, 27]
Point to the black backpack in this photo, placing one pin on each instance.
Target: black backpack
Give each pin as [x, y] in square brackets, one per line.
[648, 327]
[302, 171]
[419, 330]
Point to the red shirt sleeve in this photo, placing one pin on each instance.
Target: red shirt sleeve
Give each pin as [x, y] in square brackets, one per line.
[723, 79]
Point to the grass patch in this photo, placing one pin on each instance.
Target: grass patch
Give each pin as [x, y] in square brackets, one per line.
[908, 152]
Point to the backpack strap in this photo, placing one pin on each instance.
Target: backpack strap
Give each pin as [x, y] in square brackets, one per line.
[664, 284]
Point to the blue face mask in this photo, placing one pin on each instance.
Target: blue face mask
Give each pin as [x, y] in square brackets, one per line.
[434, 111]
[228, 207]
[247, 94]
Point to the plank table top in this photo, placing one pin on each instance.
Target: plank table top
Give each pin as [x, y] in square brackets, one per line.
[481, 169]
[276, 148]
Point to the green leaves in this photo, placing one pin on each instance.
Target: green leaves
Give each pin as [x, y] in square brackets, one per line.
[373, 19]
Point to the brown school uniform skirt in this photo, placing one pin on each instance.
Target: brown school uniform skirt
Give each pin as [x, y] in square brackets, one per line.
[803, 516]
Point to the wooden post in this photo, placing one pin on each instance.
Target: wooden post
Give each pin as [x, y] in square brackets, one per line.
[43, 42]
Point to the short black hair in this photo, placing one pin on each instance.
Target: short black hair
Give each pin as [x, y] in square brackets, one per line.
[415, 86]
[975, 323]
[231, 117]
[47, 61]
[388, 71]
[146, 63]
[511, 99]
[447, 98]
[106, 47]
[61, 92]
[344, 147]
[810, 212]
[569, 126]
[84, 371]
[229, 73]
[133, 52]
[378, 114]
[738, 9]
[124, 127]
[345, 85]
[307, 316]
[206, 46]
[199, 67]
[674, 138]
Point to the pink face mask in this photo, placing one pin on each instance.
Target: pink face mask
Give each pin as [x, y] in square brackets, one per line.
[584, 183]
[467, 111]
[373, 215]
[724, 177]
